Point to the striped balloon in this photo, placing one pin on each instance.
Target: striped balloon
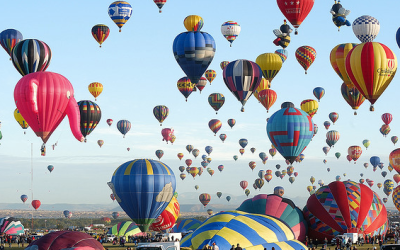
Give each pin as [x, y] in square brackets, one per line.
[120, 12]
[186, 225]
[387, 118]
[160, 4]
[90, 114]
[267, 98]
[30, 56]
[338, 61]
[204, 199]
[215, 125]
[309, 106]
[185, 86]
[242, 77]
[124, 126]
[250, 231]
[100, 33]
[354, 152]
[264, 84]
[124, 228]
[216, 100]
[270, 64]
[371, 67]
[319, 92]
[332, 136]
[333, 116]
[151, 182]
[193, 23]
[306, 55]
[352, 96]
[9, 38]
[282, 53]
[160, 112]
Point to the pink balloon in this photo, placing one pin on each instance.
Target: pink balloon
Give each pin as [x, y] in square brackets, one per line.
[166, 134]
[44, 99]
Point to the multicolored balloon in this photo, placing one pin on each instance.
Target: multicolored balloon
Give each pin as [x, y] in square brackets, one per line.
[100, 33]
[216, 101]
[306, 55]
[230, 30]
[120, 12]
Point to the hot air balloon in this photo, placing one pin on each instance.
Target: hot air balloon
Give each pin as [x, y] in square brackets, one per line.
[387, 118]
[112, 197]
[381, 67]
[231, 122]
[109, 122]
[259, 183]
[223, 64]
[244, 184]
[272, 152]
[267, 98]
[21, 121]
[375, 160]
[235, 157]
[247, 192]
[185, 86]
[90, 114]
[152, 181]
[394, 139]
[31, 55]
[124, 126]
[309, 106]
[24, 198]
[282, 35]
[9, 38]
[95, 88]
[167, 133]
[182, 168]
[282, 53]
[189, 148]
[205, 199]
[288, 139]
[216, 100]
[319, 92]
[388, 187]
[361, 210]
[36, 204]
[228, 198]
[352, 96]
[100, 33]
[270, 64]
[332, 137]
[384, 173]
[159, 154]
[160, 4]
[193, 23]
[306, 55]
[120, 12]
[50, 168]
[230, 30]
[338, 59]
[100, 143]
[180, 156]
[326, 150]
[195, 171]
[295, 12]
[337, 154]
[41, 88]
[67, 214]
[354, 152]
[385, 130]
[242, 77]
[160, 112]
[241, 151]
[333, 116]
[366, 28]
[210, 75]
[215, 125]
[366, 143]
[194, 51]
[396, 178]
[222, 137]
[196, 187]
[327, 124]
[208, 149]
[220, 168]
[264, 84]
[182, 176]
[291, 179]
[243, 142]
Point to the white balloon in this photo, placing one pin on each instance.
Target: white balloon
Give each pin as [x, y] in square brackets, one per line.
[366, 28]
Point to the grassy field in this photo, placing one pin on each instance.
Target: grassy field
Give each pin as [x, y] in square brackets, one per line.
[110, 246]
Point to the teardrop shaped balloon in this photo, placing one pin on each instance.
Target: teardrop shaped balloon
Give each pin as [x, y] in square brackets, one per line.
[120, 12]
[371, 77]
[267, 98]
[9, 38]
[223, 64]
[185, 86]
[159, 154]
[124, 126]
[90, 114]
[309, 106]
[352, 96]
[210, 75]
[319, 92]
[161, 113]
[387, 118]
[242, 77]
[354, 152]
[215, 125]
[216, 101]
[270, 64]
[194, 51]
[231, 122]
[31, 55]
[160, 4]
[333, 116]
[306, 55]
[95, 88]
[100, 33]
[230, 30]
[295, 11]
[338, 61]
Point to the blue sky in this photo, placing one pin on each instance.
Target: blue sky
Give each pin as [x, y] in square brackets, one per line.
[138, 71]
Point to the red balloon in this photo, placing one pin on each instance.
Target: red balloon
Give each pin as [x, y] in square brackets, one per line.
[295, 11]
[244, 184]
[167, 134]
[36, 204]
[44, 99]
[168, 217]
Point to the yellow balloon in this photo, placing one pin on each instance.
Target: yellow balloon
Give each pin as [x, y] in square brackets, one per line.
[309, 106]
[264, 84]
[193, 23]
[95, 88]
[338, 61]
[270, 64]
[21, 121]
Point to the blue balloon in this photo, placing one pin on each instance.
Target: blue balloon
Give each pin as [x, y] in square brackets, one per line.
[124, 126]
[319, 92]
[209, 149]
[67, 214]
[50, 168]
[398, 37]
[282, 53]
[9, 38]
[243, 142]
[375, 160]
[194, 51]
[143, 189]
[290, 130]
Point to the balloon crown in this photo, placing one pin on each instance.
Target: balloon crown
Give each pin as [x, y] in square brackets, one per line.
[287, 105]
